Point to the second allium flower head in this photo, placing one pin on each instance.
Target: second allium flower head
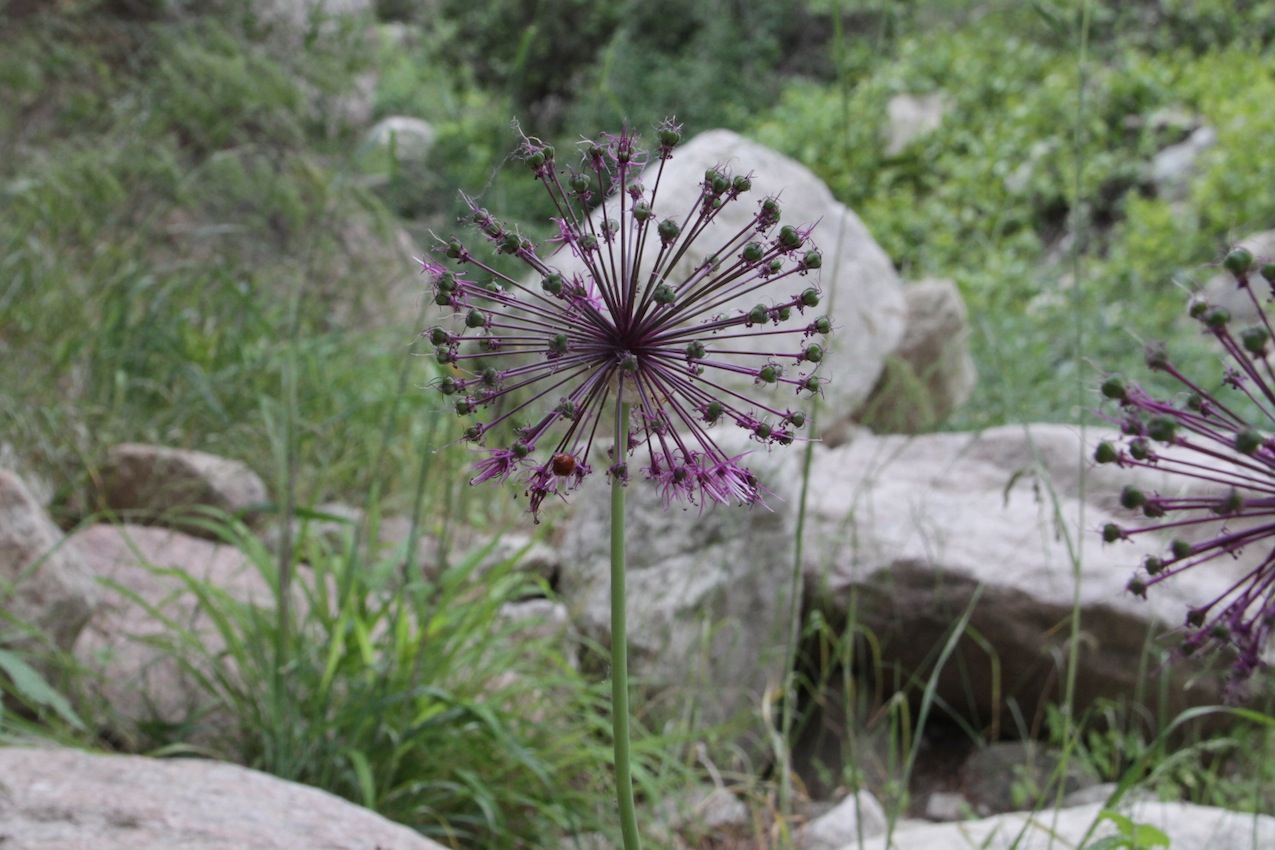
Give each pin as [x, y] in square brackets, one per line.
[563, 353]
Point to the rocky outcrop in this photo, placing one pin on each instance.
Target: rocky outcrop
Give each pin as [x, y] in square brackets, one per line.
[45, 583]
[74, 800]
[161, 485]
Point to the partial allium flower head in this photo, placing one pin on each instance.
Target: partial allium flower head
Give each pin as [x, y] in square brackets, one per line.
[556, 358]
[1225, 441]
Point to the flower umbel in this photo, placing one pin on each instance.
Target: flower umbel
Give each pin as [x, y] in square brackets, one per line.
[557, 358]
[1212, 438]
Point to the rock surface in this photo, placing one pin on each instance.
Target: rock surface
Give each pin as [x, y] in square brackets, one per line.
[707, 592]
[1187, 826]
[45, 581]
[931, 374]
[913, 117]
[143, 685]
[158, 484]
[857, 816]
[1223, 291]
[71, 800]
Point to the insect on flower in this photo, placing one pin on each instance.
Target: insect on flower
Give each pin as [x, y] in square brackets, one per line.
[608, 320]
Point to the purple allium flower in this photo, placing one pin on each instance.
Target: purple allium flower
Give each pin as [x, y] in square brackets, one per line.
[1209, 437]
[556, 358]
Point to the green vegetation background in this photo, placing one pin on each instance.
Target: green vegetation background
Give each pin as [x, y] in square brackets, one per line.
[199, 247]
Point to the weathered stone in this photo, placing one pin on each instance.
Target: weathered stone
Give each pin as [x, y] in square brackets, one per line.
[1187, 825]
[856, 817]
[912, 117]
[1173, 167]
[410, 139]
[911, 530]
[144, 686]
[708, 592]
[861, 290]
[45, 582]
[74, 800]
[1006, 776]
[931, 373]
[156, 484]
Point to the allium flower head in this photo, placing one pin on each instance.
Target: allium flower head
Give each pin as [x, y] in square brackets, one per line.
[557, 357]
[1224, 440]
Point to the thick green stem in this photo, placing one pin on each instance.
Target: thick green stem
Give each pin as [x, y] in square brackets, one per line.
[620, 653]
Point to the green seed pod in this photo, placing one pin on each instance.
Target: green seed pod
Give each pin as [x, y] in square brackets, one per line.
[753, 252]
[442, 299]
[1255, 340]
[1238, 261]
[822, 325]
[552, 284]
[1153, 565]
[1216, 317]
[768, 374]
[1268, 272]
[1139, 449]
[455, 249]
[789, 237]
[444, 355]
[464, 406]
[1180, 549]
[714, 412]
[797, 418]
[664, 294]
[447, 386]
[1111, 533]
[812, 260]
[1114, 388]
[536, 160]
[475, 319]
[588, 242]
[1232, 504]
[1248, 442]
[696, 351]
[642, 211]
[438, 336]
[810, 298]
[669, 138]
[490, 377]
[813, 353]
[520, 449]
[783, 313]
[668, 230]
[757, 315]
[1105, 453]
[559, 344]
[741, 184]
[1195, 617]
[579, 184]
[1131, 497]
[1162, 429]
[1137, 587]
[763, 430]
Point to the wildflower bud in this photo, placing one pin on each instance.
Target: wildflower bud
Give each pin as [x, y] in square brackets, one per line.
[610, 227]
[455, 249]
[768, 374]
[769, 212]
[783, 314]
[1114, 388]
[1137, 587]
[1153, 565]
[669, 137]
[810, 298]
[810, 385]
[588, 242]
[447, 386]
[464, 406]
[1248, 442]
[552, 284]
[520, 449]
[1197, 306]
[757, 315]
[1233, 503]
[1180, 549]
[713, 412]
[445, 354]
[796, 418]
[1195, 617]
[442, 299]
[762, 430]
[1111, 533]
[474, 433]
[1238, 261]
[775, 266]
[664, 294]
[642, 212]
[696, 351]
[813, 353]
[1162, 429]
[789, 238]
[1216, 318]
[536, 160]
[509, 243]
[1268, 272]
[1254, 340]
[1131, 497]
[490, 377]
[579, 184]
[753, 252]
[1105, 453]
[720, 184]
[1139, 449]
[1157, 357]
[812, 260]
[558, 344]
[668, 230]
[475, 319]
[821, 325]
[741, 184]
[439, 336]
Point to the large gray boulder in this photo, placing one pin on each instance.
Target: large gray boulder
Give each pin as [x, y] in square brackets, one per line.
[708, 592]
[45, 583]
[861, 290]
[904, 533]
[158, 484]
[74, 800]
